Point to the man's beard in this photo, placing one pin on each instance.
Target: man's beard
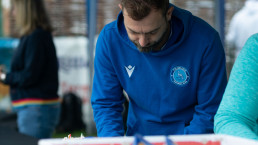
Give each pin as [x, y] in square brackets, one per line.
[153, 46]
[149, 48]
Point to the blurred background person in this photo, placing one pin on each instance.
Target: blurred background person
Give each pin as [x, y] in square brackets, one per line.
[33, 77]
[237, 114]
[242, 26]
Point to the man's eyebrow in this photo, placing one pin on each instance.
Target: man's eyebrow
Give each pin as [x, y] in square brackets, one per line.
[145, 32]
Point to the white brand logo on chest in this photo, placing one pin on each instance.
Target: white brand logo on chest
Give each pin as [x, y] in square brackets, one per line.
[129, 70]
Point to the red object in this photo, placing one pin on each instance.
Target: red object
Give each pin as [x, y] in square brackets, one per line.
[198, 143]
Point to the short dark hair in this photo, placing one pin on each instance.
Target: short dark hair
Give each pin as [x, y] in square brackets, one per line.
[138, 9]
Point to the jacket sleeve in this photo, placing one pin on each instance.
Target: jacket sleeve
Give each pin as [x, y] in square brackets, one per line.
[211, 85]
[34, 60]
[237, 114]
[107, 98]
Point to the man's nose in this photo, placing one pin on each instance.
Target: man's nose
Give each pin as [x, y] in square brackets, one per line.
[143, 40]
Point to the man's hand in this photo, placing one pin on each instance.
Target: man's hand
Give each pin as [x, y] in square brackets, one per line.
[2, 73]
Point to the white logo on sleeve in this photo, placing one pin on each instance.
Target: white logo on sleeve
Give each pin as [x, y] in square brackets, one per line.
[129, 70]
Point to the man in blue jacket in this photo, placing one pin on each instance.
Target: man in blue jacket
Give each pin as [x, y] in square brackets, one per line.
[169, 62]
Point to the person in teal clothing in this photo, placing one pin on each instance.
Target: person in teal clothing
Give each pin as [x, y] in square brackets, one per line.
[238, 112]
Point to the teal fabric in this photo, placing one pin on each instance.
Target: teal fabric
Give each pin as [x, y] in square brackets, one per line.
[238, 112]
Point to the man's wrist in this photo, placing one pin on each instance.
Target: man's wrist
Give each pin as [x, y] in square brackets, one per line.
[2, 76]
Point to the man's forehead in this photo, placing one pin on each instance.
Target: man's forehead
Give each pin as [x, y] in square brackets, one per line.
[146, 25]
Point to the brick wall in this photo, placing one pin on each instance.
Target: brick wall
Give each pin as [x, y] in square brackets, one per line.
[206, 9]
[67, 16]
[69, 19]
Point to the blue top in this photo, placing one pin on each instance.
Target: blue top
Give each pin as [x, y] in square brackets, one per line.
[8, 43]
[173, 91]
[33, 76]
[238, 112]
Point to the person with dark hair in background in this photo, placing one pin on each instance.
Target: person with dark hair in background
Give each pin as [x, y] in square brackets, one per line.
[237, 114]
[169, 62]
[33, 77]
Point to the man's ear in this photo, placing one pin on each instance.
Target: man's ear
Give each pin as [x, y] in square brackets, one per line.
[169, 13]
[120, 6]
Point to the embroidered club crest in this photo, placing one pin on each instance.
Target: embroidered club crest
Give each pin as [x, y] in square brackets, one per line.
[179, 75]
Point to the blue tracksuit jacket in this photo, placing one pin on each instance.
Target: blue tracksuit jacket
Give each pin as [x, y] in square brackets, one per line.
[173, 91]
